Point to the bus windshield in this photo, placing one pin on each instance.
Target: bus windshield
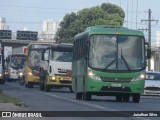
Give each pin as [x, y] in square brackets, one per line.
[62, 56]
[116, 52]
[34, 59]
[17, 61]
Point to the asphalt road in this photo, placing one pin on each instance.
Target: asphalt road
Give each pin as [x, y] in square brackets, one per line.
[63, 100]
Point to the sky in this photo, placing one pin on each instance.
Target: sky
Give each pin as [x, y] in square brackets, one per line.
[30, 14]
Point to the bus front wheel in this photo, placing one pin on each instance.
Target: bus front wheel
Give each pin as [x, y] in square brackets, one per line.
[2, 82]
[87, 96]
[42, 86]
[136, 98]
[126, 97]
[119, 98]
[78, 95]
[70, 88]
[29, 85]
[47, 88]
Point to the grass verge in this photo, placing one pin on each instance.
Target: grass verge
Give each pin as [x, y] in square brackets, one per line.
[4, 98]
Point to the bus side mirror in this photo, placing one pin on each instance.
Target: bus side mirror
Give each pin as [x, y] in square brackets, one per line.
[7, 60]
[148, 53]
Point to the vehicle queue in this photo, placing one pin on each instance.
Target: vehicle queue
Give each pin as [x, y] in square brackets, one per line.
[103, 61]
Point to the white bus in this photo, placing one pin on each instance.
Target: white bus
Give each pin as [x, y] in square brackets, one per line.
[15, 63]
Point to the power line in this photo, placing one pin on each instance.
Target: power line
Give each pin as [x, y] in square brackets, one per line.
[32, 11]
[34, 7]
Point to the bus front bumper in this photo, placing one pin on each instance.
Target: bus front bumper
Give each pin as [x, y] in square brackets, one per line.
[116, 87]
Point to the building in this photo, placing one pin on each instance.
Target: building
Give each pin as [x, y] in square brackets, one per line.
[155, 60]
[49, 26]
[158, 38]
[49, 30]
[3, 25]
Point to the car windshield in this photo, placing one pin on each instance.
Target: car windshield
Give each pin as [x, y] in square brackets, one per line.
[153, 76]
[62, 56]
[116, 52]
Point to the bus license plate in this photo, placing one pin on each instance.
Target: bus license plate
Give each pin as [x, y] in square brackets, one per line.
[66, 78]
[116, 85]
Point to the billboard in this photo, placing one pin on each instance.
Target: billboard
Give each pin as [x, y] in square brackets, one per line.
[5, 34]
[27, 35]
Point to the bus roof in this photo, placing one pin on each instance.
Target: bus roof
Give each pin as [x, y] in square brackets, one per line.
[62, 47]
[39, 45]
[17, 54]
[103, 29]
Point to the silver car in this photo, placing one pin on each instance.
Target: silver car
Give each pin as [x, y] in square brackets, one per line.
[152, 83]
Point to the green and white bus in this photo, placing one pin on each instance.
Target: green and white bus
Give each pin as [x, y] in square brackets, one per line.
[109, 61]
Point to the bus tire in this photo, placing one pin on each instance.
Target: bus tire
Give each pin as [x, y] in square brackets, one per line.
[136, 98]
[70, 88]
[21, 81]
[87, 96]
[26, 85]
[9, 80]
[41, 86]
[119, 98]
[47, 88]
[126, 97]
[78, 95]
[2, 82]
[29, 85]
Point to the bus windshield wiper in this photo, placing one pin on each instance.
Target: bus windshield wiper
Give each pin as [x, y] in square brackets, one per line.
[125, 62]
[109, 64]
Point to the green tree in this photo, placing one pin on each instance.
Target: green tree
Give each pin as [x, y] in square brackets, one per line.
[106, 14]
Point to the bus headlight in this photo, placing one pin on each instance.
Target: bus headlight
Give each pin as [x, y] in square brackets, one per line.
[20, 74]
[6, 73]
[30, 73]
[140, 77]
[52, 78]
[11, 70]
[92, 75]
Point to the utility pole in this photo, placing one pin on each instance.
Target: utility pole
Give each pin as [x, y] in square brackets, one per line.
[149, 33]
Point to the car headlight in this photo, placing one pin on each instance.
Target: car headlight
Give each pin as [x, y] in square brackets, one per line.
[92, 75]
[0, 75]
[140, 77]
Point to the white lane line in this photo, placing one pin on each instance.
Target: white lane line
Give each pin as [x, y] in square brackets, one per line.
[77, 102]
[97, 107]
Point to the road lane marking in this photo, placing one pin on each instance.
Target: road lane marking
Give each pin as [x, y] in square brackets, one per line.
[84, 103]
[77, 102]
[97, 107]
